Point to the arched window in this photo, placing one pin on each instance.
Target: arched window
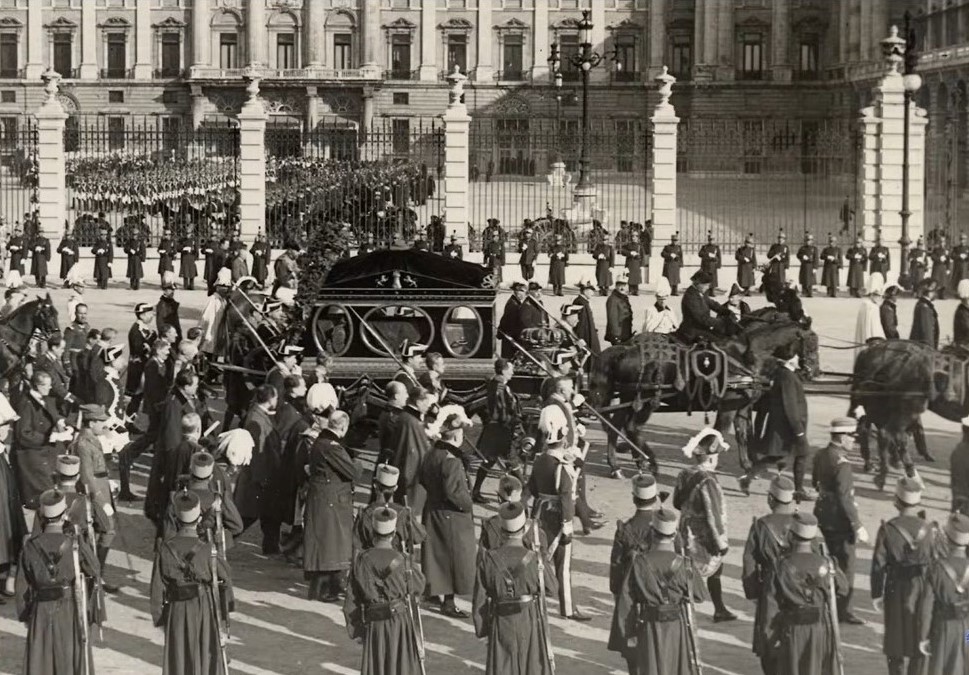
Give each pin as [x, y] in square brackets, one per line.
[284, 41]
[341, 30]
[228, 43]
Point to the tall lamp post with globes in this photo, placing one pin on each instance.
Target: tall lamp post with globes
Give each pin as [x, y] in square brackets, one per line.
[912, 82]
[554, 63]
[585, 61]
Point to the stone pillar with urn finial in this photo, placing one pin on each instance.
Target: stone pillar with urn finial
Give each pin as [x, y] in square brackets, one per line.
[51, 184]
[252, 160]
[457, 127]
[662, 187]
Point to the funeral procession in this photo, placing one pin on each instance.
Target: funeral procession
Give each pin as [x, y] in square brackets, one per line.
[531, 337]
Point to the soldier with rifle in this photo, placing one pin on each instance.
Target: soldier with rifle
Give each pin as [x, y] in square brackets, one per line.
[806, 584]
[381, 606]
[209, 483]
[509, 600]
[409, 528]
[186, 587]
[51, 593]
[656, 628]
[944, 606]
[493, 534]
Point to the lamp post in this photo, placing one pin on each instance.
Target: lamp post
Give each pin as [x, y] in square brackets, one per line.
[912, 82]
[585, 61]
[554, 61]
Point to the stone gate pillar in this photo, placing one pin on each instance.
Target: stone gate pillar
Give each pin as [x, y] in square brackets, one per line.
[252, 161]
[662, 182]
[457, 132]
[51, 184]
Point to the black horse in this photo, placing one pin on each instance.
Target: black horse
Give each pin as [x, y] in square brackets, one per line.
[23, 329]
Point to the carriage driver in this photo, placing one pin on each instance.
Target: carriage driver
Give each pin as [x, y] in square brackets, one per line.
[696, 309]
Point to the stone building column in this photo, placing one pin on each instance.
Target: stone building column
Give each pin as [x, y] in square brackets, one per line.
[252, 162]
[843, 14]
[51, 185]
[429, 41]
[457, 133]
[540, 48]
[726, 48]
[89, 40]
[598, 36]
[201, 51]
[656, 38]
[484, 70]
[314, 34]
[699, 43]
[854, 31]
[256, 31]
[663, 175]
[867, 215]
[370, 24]
[144, 41]
[781, 69]
[35, 42]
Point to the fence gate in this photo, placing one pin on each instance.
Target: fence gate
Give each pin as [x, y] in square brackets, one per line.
[149, 173]
[18, 171]
[759, 176]
[511, 161]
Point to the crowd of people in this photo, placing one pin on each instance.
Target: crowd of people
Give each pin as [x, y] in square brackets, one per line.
[83, 397]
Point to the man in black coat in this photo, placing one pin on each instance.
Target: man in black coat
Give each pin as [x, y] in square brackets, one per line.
[34, 440]
[785, 433]
[103, 257]
[695, 310]
[888, 311]
[40, 256]
[141, 337]
[925, 323]
[531, 313]
[510, 322]
[528, 248]
[585, 329]
[960, 322]
[619, 314]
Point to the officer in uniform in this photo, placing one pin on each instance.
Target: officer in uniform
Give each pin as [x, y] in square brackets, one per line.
[531, 314]
[619, 313]
[746, 258]
[135, 250]
[633, 252]
[288, 364]
[767, 542]
[553, 484]
[779, 257]
[40, 256]
[903, 550]
[271, 325]
[382, 594]
[528, 250]
[69, 251]
[944, 605]
[802, 581]
[46, 592]
[653, 623]
[494, 255]
[454, 250]
[918, 262]
[411, 354]
[695, 309]
[605, 256]
[410, 532]
[17, 248]
[141, 338]
[510, 322]
[832, 262]
[508, 605]
[711, 261]
[558, 260]
[181, 585]
[503, 430]
[836, 510]
[672, 255]
[857, 257]
[103, 258]
[807, 255]
[166, 252]
[879, 259]
[941, 265]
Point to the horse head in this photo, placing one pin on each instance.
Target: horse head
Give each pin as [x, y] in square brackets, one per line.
[763, 340]
[45, 318]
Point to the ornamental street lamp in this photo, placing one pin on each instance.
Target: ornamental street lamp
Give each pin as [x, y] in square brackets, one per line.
[585, 61]
[554, 61]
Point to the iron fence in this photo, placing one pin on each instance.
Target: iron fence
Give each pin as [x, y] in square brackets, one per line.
[18, 173]
[380, 181]
[947, 171]
[526, 168]
[759, 176]
[146, 173]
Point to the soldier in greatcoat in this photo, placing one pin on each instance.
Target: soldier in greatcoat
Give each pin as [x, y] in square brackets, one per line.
[383, 591]
[528, 250]
[189, 253]
[503, 429]
[703, 524]
[103, 258]
[494, 256]
[510, 322]
[767, 542]
[166, 311]
[141, 337]
[493, 535]
[832, 262]
[182, 597]
[35, 436]
[605, 256]
[941, 265]
[209, 482]
[46, 596]
[448, 553]
[672, 255]
[69, 252]
[39, 257]
[507, 604]
[410, 532]
[558, 256]
[904, 548]
[807, 255]
[835, 508]
[409, 448]
[619, 314]
[960, 262]
[918, 262]
[746, 258]
[879, 257]
[328, 524]
[652, 629]
[857, 257]
[17, 247]
[166, 252]
[779, 258]
[802, 581]
[711, 261]
[633, 252]
[585, 327]
[260, 252]
[214, 260]
[944, 606]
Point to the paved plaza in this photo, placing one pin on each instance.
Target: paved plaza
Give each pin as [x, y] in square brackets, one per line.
[276, 630]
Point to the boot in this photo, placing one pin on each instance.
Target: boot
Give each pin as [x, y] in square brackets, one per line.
[124, 476]
[479, 480]
[103, 559]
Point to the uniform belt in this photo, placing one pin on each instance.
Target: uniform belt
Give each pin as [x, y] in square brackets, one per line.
[801, 616]
[51, 593]
[179, 592]
[947, 612]
[906, 572]
[660, 613]
[550, 500]
[510, 606]
[100, 474]
[382, 611]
